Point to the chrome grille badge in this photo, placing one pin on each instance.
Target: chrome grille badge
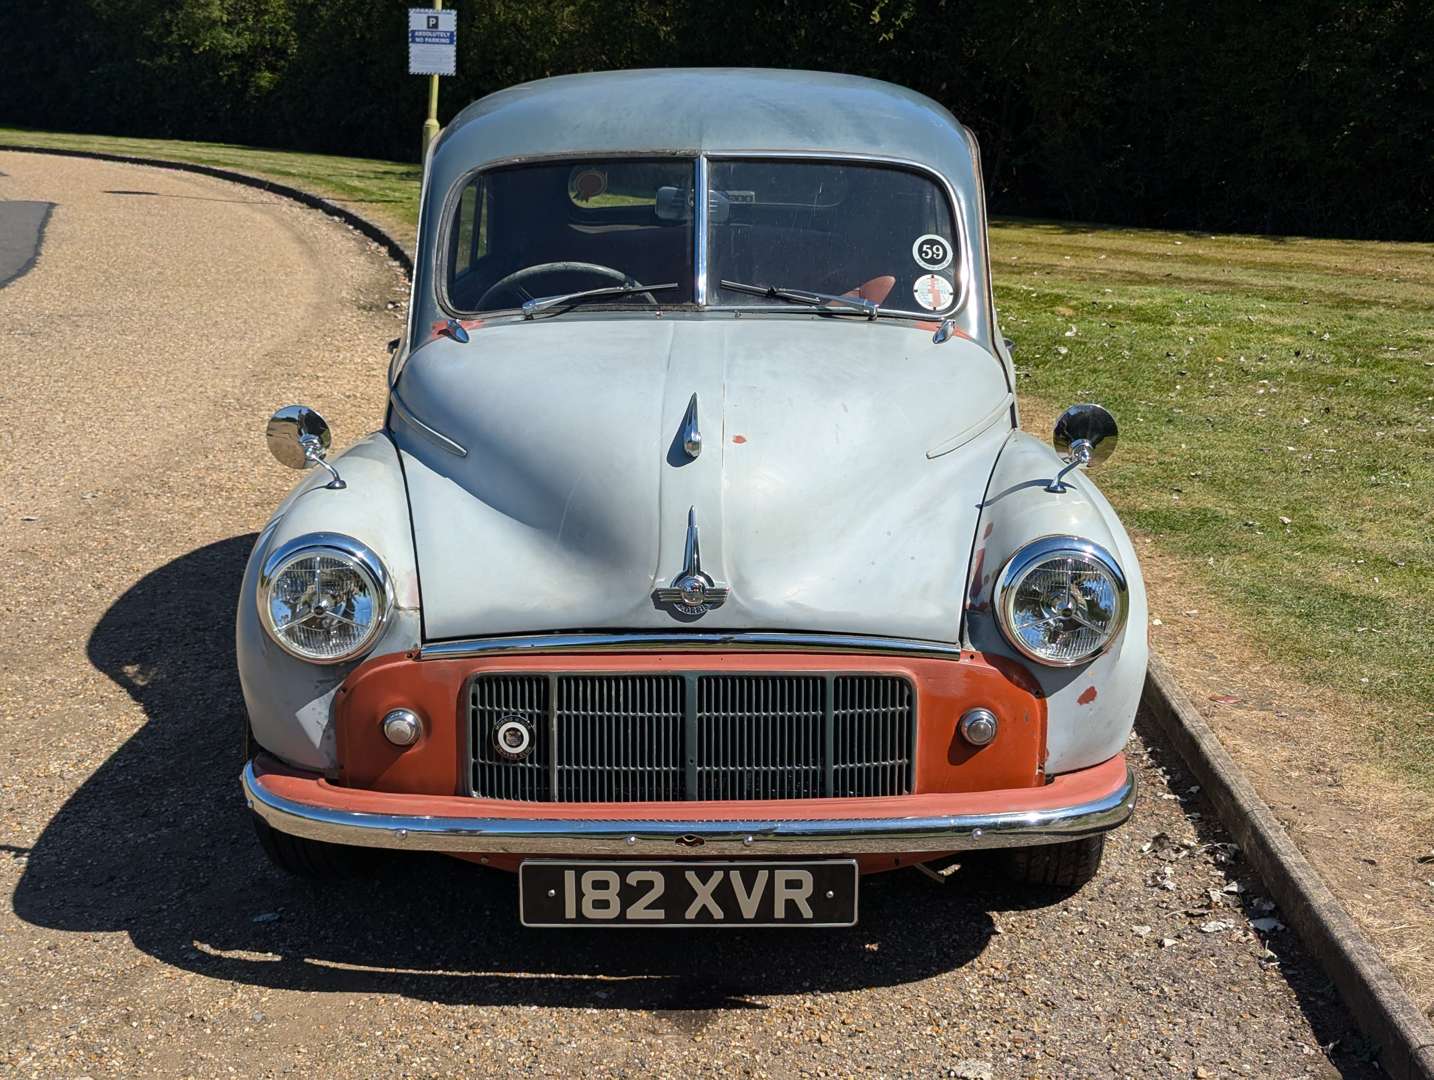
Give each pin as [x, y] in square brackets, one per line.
[692, 593]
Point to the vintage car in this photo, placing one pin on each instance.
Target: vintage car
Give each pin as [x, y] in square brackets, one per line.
[701, 564]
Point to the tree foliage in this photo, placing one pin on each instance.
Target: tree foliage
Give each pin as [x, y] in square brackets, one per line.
[1297, 116]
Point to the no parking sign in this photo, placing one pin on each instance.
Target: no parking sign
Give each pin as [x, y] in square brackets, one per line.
[432, 41]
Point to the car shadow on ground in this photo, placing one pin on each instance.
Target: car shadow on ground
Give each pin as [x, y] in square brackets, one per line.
[157, 844]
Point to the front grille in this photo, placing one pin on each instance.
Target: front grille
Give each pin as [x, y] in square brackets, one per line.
[667, 737]
[494, 700]
[872, 747]
[760, 737]
[619, 737]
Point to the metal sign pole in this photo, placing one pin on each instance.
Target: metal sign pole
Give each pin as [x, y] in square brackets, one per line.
[430, 126]
[432, 51]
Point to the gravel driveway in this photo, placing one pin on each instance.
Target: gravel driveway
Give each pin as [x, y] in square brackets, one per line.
[143, 934]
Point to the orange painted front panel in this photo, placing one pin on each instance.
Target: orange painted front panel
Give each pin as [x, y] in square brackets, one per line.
[436, 690]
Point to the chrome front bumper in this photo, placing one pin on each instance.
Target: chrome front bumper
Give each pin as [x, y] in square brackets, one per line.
[671, 838]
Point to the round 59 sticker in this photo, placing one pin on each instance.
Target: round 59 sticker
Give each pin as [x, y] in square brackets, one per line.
[933, 292]
[932, 251]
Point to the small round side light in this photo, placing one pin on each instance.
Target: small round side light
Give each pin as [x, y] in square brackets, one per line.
[977, 726]
[402, 727]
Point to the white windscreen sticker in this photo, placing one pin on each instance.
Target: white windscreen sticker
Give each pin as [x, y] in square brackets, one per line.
[933, 292]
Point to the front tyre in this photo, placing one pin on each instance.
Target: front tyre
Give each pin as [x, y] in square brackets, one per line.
[314, 859]
[1057, 866]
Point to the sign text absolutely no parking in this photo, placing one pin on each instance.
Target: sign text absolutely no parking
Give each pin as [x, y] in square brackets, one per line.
[432, 41]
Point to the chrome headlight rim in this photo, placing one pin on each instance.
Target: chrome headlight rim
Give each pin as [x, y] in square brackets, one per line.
[359, 555]
[1026, 559]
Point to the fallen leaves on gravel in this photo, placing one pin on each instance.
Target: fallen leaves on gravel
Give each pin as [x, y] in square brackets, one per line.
[1161, 878]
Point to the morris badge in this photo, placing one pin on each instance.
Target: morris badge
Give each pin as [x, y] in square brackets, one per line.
[692, 593]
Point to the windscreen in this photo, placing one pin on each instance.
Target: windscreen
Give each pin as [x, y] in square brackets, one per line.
[878, 232]
[529, 231]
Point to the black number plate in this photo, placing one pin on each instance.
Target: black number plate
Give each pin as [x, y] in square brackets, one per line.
[559, 893]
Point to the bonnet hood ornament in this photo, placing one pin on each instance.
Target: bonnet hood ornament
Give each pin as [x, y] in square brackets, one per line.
[692, 593]
[691, 433]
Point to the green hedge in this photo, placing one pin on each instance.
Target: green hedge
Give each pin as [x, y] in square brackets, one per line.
[1296, 117]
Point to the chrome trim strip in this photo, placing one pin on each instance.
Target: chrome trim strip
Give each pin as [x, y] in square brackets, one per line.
[701, 210]
[687, 641]
[979, 428]
[683, 839]
[984, 229]
[437, 436]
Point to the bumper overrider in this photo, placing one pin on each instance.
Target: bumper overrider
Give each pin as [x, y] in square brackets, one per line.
[1071, 806]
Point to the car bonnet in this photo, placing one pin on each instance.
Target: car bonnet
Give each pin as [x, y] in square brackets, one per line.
[837, 486]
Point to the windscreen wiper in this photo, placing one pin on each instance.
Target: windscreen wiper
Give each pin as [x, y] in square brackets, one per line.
[805, 296]
[542, 303]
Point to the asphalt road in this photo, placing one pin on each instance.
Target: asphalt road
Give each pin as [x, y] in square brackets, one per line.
[143, 934]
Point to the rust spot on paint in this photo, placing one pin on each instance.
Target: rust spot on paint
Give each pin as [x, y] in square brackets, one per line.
[1087, 696]
[976, 580]
[739, 438]
[440, 329]
[926, 324]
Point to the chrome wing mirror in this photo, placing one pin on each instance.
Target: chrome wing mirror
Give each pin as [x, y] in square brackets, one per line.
[1084, 435]
[299, 438]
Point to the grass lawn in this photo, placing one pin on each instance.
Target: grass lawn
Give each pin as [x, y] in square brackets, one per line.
[1276, 399]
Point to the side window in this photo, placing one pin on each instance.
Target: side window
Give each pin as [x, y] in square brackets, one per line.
[480, 242]
[470, 237]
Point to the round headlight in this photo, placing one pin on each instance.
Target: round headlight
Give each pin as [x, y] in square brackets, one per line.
[323, 598]
[1061, 600]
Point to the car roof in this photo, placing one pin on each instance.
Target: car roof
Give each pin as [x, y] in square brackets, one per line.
[706, 109]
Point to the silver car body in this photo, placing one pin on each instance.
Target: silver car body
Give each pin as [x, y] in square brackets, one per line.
[857, 479]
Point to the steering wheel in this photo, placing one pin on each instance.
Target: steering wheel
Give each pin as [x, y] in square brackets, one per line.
[516, 281]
